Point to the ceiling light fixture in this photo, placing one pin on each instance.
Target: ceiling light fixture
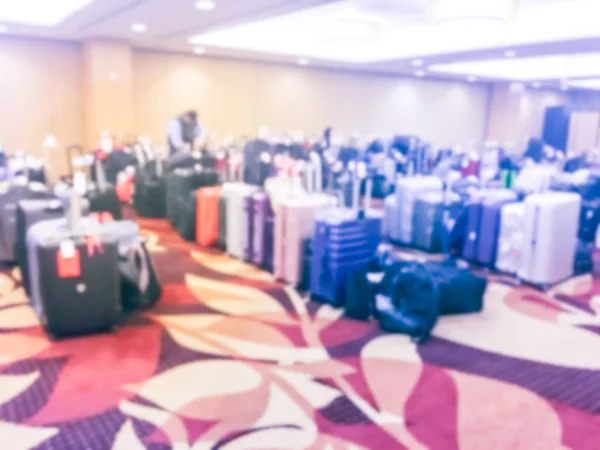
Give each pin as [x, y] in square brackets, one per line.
[40, 12]
[417, 62]
[205, 5]
[510, 53]
[536, 85]
[534, 68]
[472, 79]
[139, 28]
[564, 87]
[452, 11]
[303, 62]
[199, 50]
[3, 29]
[420, 73]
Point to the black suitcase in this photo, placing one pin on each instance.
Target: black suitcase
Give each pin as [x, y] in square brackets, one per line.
[150, 196]
[180, 184]
[79, 292]
[8, 215]
[186, 224]
[105, 199]
[30, 212]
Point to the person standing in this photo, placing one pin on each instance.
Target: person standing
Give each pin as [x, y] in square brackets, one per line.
[183, 132]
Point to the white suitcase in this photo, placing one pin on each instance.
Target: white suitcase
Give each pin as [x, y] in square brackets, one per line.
[237, 220]
[407, 190]
[510, 238]
[550, 237]
[535, 179]
[390, 217]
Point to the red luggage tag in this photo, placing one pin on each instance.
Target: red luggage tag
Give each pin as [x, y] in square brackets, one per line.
[67, 259]
[102, 217]
[93, 245]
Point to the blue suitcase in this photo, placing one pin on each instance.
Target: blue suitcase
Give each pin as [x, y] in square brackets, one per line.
[474, 209]
[345, 240]
[487, 244]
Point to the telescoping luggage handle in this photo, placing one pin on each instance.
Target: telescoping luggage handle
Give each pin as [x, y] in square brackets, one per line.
[360, 173]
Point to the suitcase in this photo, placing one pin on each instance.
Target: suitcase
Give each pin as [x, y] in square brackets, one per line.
[589, 220]
[510, 238]
[345, 240]
[79, 291]
[263, 217]
[181, 203]
[207, 219]
[474, 231]
[390, 216]
[487, 244]
[222, 236]
[8, 214]
[307, 251]
[535, 179]
[407, 190]
[550, 238]
[239, 220]
[103, 196]
[150, 192]
[432, 210]
[30, 212]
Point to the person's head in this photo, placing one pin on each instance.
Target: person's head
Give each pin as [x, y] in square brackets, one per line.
[190, 117]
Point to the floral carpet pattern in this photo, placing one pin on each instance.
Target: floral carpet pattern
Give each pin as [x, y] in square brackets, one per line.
[230, 359]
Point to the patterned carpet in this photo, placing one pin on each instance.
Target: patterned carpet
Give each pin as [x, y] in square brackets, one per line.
[230, 359]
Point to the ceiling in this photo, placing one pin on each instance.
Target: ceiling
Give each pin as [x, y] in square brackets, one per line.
[550, 43]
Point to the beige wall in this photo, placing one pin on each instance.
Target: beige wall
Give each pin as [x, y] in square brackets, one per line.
[237, 97]
[515, 117]
[48, 87]
[40, 94]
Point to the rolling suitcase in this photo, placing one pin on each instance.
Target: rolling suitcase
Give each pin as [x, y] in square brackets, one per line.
[207, 219]
[30, 212]
[589, 220]
[345, 240]
[239, 222]
[140, 286]
[407, 190]
[150, 191]
[487, 244]
[294, 221]
[222, 236]
[510, 238]
[390, 216]
[20, 190]
[550, 238]
[262, 246]
[474, 231]
[432, 210]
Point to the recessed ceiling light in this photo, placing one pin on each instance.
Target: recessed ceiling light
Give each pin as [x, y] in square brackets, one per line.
[564, 87]
[199, 50]
[536, 85]
[139, 28]
[40, 12]
[510, 53]
[472, 79]
[3, 29]
[205, 5]
[417, 62]
[420, 73]
[303, 62]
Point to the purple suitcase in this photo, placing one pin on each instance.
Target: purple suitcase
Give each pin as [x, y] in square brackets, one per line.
[249, 239]
[262, 245]
[489, 229]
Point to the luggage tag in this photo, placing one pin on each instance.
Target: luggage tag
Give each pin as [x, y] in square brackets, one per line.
[94, 245]
[68, 261]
